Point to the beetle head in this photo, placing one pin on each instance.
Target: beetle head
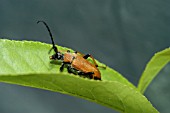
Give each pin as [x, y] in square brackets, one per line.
[57, 56]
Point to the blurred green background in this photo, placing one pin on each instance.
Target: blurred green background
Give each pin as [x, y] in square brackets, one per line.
[124, 34]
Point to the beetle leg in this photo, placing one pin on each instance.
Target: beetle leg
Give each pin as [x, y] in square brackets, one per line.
[89, 55]
[86, 56]
[83, 73]
[71, 70]
[62, 67]
[90, 74]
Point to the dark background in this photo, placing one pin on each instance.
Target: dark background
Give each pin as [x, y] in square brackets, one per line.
[124, 34]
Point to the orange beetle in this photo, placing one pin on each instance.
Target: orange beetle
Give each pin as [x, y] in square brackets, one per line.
[76, 63]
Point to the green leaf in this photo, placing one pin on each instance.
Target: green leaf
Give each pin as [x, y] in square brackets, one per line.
[155, 65]
[27, 63]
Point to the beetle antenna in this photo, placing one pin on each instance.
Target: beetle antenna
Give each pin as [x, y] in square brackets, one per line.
[54, 47]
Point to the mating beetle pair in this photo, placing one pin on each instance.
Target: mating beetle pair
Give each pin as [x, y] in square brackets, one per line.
[76, 62]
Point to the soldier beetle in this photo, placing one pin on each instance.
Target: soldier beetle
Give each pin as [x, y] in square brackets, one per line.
[76, 62]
